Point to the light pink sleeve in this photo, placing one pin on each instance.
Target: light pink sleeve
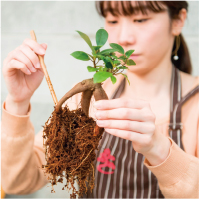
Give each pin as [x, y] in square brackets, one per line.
[178, 175]
[22, 152]
[20, 159]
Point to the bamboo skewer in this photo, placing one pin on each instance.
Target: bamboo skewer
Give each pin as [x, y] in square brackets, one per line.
[43, 66]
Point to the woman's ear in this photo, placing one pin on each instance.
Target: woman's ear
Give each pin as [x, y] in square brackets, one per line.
[177, 24]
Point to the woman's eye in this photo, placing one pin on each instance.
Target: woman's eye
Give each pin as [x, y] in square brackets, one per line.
[112, 22]
[140, 20]
[135, 20]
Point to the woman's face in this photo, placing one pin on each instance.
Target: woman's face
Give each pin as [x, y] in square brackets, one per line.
[149, 35]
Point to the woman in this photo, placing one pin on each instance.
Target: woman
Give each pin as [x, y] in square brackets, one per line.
[151, 160]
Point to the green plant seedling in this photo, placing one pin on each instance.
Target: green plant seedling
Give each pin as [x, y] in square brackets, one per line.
[112, 66]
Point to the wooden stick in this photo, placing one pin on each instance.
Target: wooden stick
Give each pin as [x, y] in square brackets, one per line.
[41, 59]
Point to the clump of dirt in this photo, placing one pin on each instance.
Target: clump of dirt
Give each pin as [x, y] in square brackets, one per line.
[70, 149]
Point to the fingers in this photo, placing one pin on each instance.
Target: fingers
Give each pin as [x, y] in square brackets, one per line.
[37, 48]
[13, 64]
[141, 142]
[127, 135]
[30, 55]
[44, 46]
[121, 103]
[127, 125]
[25, 57]
[20, 56]
[143, 115]
[123, 113]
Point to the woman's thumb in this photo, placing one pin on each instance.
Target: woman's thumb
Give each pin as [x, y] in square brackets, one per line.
[44, 45]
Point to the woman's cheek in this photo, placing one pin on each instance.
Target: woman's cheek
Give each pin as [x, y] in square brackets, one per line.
[113, 32]
[111, 36]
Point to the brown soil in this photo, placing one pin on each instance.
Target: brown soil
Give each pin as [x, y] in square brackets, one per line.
[70, 149]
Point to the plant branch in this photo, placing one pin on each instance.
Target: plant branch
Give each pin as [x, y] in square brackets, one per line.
[80, 87]
[90, 56]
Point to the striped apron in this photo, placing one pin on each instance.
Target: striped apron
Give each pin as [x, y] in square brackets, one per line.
[131, 178]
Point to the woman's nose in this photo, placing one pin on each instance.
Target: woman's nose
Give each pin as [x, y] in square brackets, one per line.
[126, 36]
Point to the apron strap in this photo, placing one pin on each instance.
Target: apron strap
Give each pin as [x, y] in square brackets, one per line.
[175, 126]
[178, 107]
[176, 95]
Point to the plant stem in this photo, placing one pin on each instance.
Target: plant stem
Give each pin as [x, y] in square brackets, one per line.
[90, 56]
[94, 63]
[97, 62]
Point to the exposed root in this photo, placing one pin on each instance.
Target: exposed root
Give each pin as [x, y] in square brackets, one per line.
[82, 161]
[78, 88]
[70, 148]
[71, 138]
[85, 100]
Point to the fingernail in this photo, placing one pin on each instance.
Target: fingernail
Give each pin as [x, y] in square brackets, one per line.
[42, 51]
[38, 65]
[28, 71]
[33, 69]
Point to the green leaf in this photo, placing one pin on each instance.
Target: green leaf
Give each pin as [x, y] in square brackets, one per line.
[129, 53]
[91, 69]
[101, 76]
[108, 62]
[107, 59]
[122, 67]
[101, 57]
[126, 78]
[117, 47]
[113, 79]
[113, 56]
[122, 58]
[86, 38]
[109, 65]
[107, 51]
[117, 62]
[100, 68]
[80, 55]
[101, 37]
[97, 47]
[130, 62]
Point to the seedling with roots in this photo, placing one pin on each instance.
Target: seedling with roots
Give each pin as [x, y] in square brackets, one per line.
[71, 137]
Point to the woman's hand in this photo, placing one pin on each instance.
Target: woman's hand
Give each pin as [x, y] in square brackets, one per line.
[133, 120]
[22, 71]
[129, 119]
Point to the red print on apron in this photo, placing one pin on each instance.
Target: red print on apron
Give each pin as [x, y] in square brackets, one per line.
[104, 157]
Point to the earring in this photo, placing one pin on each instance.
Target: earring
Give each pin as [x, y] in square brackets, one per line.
[175, 57]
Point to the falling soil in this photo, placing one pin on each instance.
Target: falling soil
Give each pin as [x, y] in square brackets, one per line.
[70, 147]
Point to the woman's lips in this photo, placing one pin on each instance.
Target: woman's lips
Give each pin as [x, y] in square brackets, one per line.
[134, 56]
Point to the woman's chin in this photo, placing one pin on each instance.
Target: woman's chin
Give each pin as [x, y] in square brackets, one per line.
[138, 69]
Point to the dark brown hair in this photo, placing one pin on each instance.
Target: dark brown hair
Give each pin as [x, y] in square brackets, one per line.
[174, 7]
